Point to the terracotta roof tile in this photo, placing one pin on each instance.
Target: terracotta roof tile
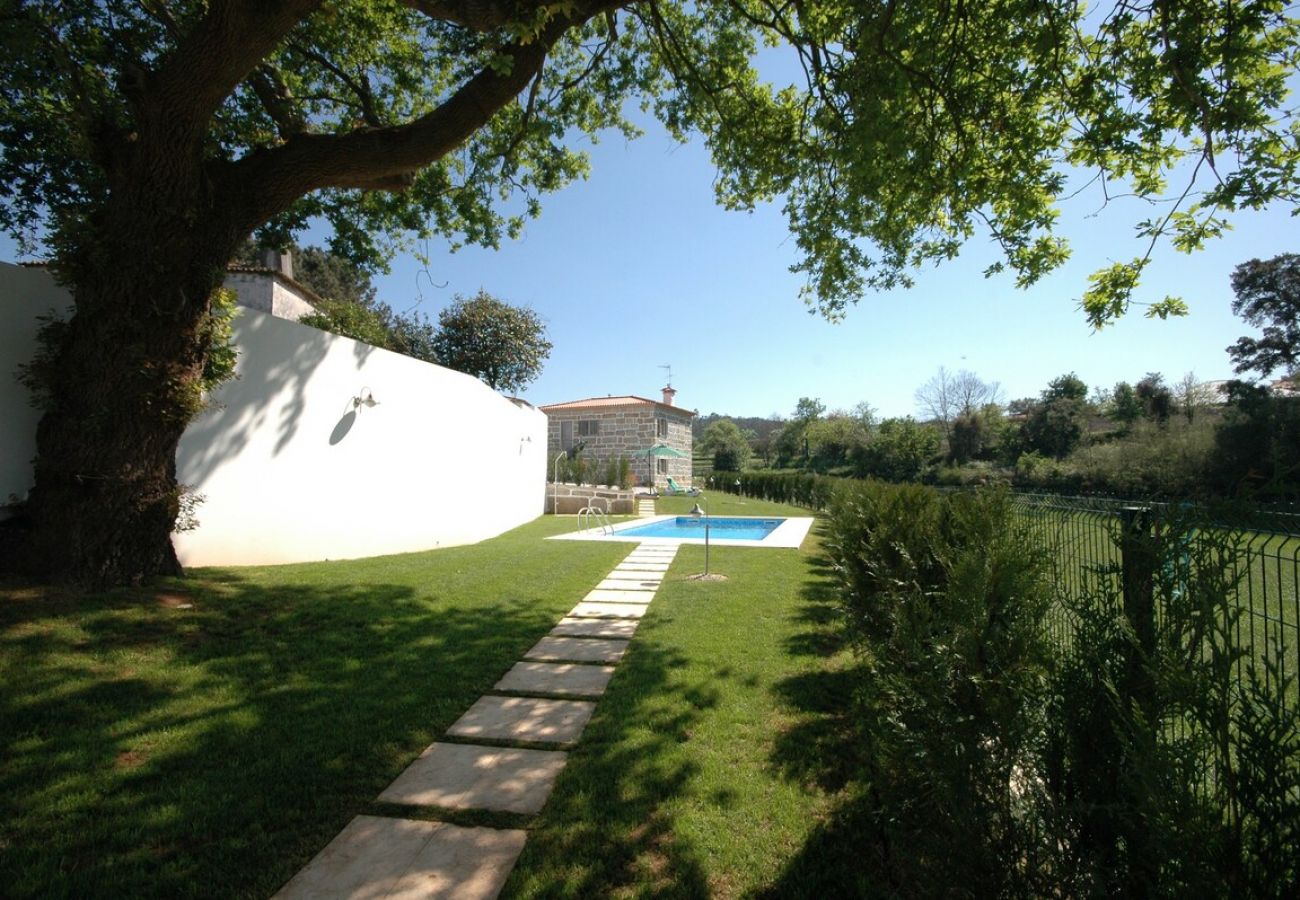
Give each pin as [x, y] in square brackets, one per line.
[611, 403]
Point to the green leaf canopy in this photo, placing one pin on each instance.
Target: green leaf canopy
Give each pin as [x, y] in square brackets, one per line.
[910, 128]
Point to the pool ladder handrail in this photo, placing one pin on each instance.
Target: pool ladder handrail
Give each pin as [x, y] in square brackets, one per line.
[591, 517]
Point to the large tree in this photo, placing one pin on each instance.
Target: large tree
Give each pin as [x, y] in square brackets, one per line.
[1268, 297]
[729, 444]
[949, 395]
[143, 140]
[1059, 420]
[500, 344]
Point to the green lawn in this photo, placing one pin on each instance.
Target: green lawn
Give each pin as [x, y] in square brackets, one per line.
[153, 751]
[703, 771]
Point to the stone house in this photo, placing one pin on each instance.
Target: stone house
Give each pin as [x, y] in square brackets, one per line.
[610, 427]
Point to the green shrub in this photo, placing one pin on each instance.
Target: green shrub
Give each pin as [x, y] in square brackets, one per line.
[973, 474]
[726, 459]
[572, 468]
[1150, 461]
[624, 473]
[1124, 753]
[797, 488]
[899, 450]
[351, 320]
[945, 600]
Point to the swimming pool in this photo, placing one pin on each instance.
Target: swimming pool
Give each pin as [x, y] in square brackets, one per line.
[724, 531]
[720, 528]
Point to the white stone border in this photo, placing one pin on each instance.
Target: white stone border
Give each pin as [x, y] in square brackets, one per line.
[789, 534]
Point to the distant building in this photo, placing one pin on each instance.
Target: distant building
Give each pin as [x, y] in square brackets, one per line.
[271, 288]
[268, 288]
[1285, 387]
[609, 427]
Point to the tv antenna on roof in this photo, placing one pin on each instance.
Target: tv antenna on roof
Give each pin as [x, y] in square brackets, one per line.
[670, 374]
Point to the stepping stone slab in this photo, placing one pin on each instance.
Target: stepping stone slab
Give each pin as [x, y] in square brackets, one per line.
[464, 776]
[556, 678]
[398, 858]
[587, 610]
[652, 556]
[642, 567]
[578, 649]
[627, 584]
[524, 719]
[596, 628]
[601, 595]
[637, 575]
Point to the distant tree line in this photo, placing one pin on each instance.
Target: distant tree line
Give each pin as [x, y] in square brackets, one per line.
[1146, 437]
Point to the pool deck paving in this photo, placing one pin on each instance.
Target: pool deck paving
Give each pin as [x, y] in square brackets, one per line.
[382, 856]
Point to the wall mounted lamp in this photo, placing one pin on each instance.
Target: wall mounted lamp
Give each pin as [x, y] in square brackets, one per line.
[365, 398]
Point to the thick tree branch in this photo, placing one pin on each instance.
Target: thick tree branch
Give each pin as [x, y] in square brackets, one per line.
[219, 52]
[477, 15]
[268, 181]
[277, 100]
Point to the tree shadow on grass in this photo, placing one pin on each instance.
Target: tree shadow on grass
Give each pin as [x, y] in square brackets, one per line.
[821, 748]
[826, 748]
[821, 612]
[605, 830]
[212, 751]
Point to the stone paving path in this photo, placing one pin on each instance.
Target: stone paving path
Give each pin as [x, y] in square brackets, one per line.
[535, 711]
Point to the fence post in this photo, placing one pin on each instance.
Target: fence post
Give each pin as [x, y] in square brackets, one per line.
[1139, 556]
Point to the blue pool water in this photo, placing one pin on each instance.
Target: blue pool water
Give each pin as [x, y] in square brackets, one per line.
[720, 528]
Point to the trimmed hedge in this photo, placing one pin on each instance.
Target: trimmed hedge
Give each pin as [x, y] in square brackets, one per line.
[796, 488]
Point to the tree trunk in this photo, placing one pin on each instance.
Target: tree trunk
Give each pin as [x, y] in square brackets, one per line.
[127, 381]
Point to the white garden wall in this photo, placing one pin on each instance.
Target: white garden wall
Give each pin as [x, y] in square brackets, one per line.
[24, 295]
[292, 470]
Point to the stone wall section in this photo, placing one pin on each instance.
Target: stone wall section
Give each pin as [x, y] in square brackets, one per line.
[568, 499]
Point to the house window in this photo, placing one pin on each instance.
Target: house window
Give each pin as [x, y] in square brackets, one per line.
[661, 428]
[566, 435]
[588, 428]
[663, 466]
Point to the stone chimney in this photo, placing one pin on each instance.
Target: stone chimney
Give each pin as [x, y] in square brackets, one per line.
[669, 394]
[278, 262]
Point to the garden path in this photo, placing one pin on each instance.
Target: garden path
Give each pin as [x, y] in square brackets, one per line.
[539, 707]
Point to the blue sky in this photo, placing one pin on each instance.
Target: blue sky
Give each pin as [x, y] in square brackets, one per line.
[637, 268]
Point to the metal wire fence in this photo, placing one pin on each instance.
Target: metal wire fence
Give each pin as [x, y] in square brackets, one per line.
[1103, 548]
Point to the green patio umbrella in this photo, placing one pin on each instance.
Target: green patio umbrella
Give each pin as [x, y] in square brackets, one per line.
[657, 450]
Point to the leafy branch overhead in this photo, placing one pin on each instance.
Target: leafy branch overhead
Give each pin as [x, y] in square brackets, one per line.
[909, 128]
